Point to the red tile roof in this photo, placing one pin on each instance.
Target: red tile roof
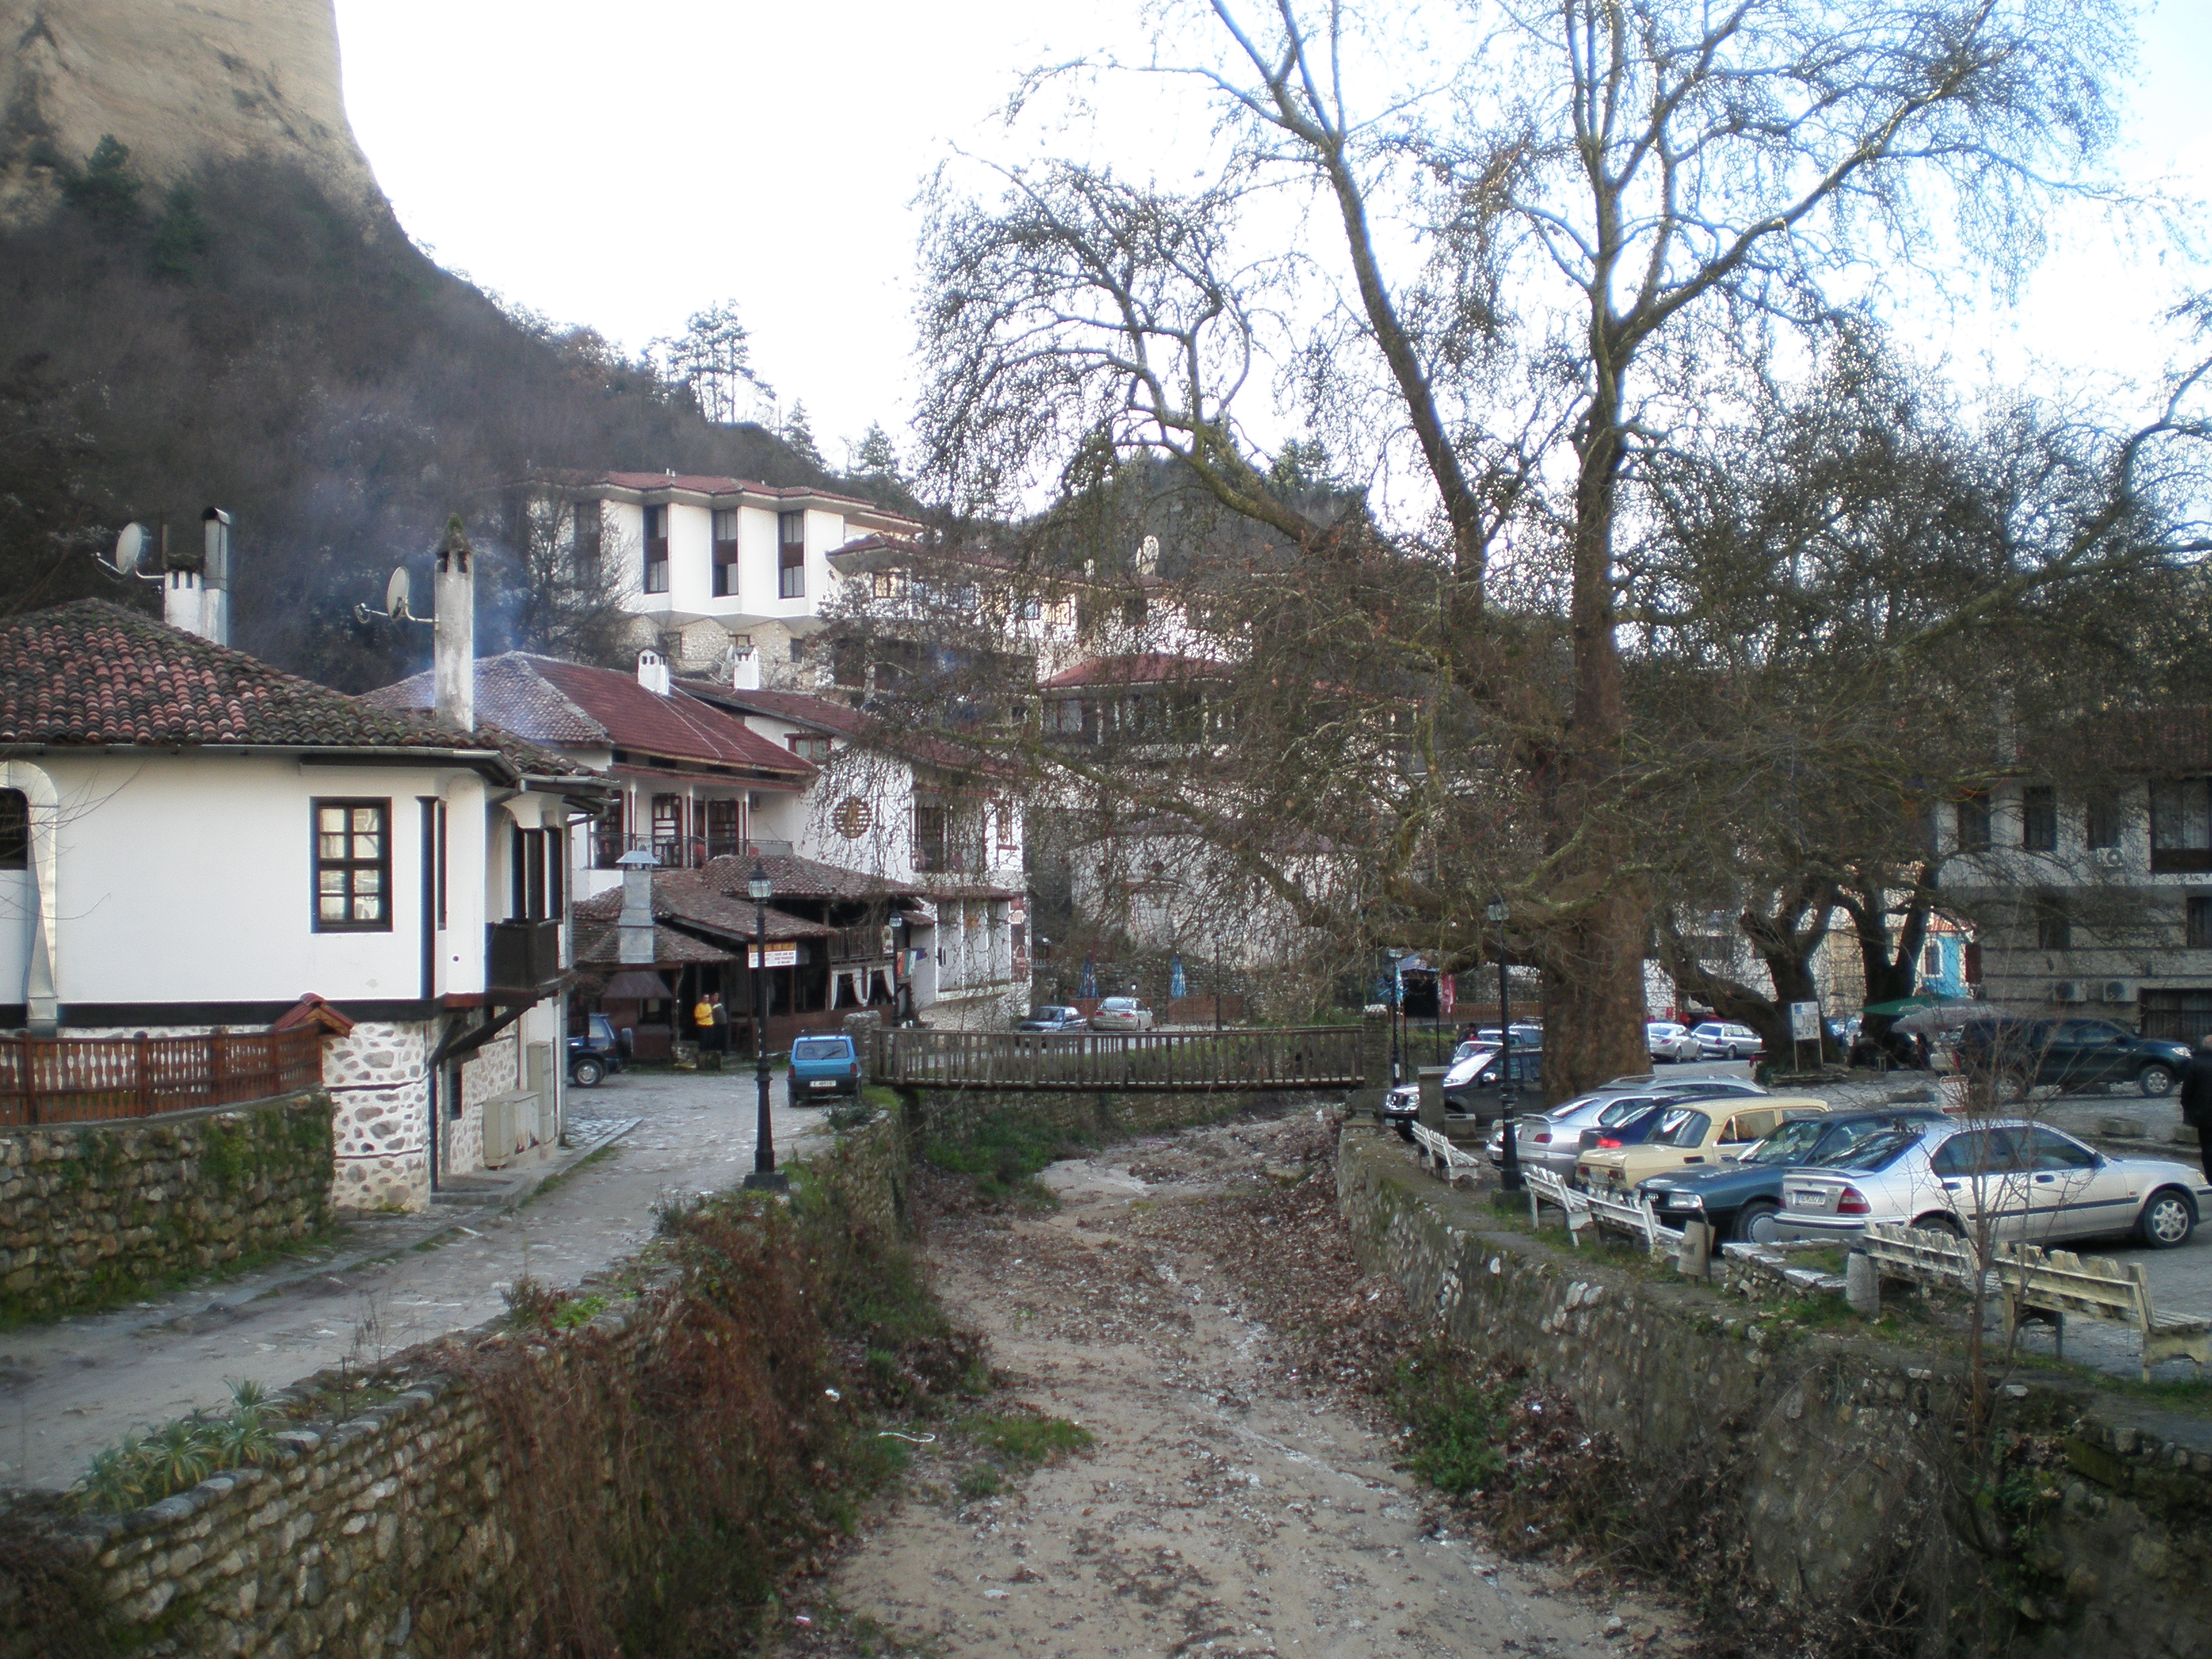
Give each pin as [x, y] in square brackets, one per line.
[549, 701]
[801, 708]
[1146, 668]
[690, 898]
[94, 673]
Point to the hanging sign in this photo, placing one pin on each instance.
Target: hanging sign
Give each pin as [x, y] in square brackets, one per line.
[779, 956]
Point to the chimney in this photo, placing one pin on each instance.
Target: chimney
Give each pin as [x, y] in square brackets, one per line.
[653, 672]
[455, 657]
[744, 669]
[634, 941]
[215, 574]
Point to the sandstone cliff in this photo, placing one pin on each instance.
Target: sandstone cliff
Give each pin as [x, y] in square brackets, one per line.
[182, 82]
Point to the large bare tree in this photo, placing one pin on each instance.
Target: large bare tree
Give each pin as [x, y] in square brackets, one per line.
[1542, 256]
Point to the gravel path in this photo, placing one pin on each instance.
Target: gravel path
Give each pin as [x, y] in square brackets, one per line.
[383, 1284]
[1234, 1503]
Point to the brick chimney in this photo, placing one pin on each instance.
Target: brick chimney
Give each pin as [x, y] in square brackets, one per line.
[454, 659]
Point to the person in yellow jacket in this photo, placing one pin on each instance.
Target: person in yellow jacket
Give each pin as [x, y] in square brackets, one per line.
[702, 1022]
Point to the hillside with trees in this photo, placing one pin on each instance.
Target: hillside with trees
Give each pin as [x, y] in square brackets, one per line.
[243, 338]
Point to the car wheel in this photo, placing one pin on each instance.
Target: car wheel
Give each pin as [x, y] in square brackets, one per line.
[1754, 1222]
[2155, 1081]
[2167, 1220]
[1945, 1225]
[586, 1073]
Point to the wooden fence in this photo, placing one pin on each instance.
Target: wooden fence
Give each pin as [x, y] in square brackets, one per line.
[84, 1080]
[1298, 1057]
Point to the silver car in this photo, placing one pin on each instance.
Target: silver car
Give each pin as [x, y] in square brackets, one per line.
[1122, 1014]
[2016, 1180]
[1666, 1039]
[1720, 1039]
[1556, 1138]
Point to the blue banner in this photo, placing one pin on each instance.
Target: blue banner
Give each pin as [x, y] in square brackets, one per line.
[1090, 978]
[1177, 989]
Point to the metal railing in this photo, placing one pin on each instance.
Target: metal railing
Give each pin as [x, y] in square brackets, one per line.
[85, 1079]
[1291, 1057]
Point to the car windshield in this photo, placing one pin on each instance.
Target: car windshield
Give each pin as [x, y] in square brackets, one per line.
[1046, 1013]
[1117, 1006]
[822, 1047]
[1470, 1049]
[1792, 1143]
[1620, 1111]
[1682, 1128]
[1842, 1143]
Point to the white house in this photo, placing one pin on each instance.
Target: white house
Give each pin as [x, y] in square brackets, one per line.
[190, 839]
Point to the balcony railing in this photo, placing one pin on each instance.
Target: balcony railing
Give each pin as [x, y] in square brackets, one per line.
[522, 956]
[858, 944]
[607, 850]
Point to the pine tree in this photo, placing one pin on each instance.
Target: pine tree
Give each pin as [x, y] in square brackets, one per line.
[877, 457]
[799, 435]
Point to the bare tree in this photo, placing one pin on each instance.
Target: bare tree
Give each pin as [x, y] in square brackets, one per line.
[1621, 203]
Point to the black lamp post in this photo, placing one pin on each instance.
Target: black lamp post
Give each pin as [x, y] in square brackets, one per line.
[1217, 982]
[1508, 1097]
[764, 1170]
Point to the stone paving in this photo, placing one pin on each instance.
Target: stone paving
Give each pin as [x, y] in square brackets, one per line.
[385, 1283]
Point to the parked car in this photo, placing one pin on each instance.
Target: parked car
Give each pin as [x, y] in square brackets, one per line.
[822, 1065]
[1667, 1039]
[1705, 1133]
[1556, 1138]
[1053, 1017]
[1529, 1035]
[1740, 1200]
[2072, 1054]
[1122, 1014]
[2017, 1180]
[600, 1050]
[1725, 1040]
[1470, 1081]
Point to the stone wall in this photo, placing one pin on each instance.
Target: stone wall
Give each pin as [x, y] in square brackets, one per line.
[90, 1212]
[378, 1085]
[381, 1535]
[1836, 1452]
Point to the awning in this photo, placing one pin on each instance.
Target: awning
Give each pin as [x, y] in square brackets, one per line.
[706, 780]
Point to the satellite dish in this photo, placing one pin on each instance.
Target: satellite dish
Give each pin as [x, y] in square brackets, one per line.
[396, 592]
[130, 549]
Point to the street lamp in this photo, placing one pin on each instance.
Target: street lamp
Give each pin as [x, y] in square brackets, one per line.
[1508, 1097]
[764, 1173]
[1217, 982]
[1397, 954]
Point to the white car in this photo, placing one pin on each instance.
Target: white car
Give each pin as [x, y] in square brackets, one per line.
[1122, 1014]
[1724, 1040]
[1666, 1039]
[2010, 1179]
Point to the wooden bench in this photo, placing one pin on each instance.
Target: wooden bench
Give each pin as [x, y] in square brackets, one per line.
[1623, 1213]
[1924, 1256]
[1545, 1188]
[1443, 1157]
[2057, 1283]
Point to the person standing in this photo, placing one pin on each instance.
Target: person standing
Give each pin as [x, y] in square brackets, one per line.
[721, 1023]
[2197, 1099]
[702, 1022]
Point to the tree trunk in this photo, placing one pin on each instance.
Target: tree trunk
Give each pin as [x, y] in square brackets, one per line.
[1891, 972]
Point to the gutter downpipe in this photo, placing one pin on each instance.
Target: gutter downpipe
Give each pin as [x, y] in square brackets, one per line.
[429, 910]
[42, 973]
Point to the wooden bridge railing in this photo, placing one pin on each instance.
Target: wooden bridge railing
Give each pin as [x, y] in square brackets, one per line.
[82, 1079]
[1294, 1057]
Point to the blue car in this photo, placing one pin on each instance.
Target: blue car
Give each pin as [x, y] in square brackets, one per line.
[1739, 1200]
[821, 1067]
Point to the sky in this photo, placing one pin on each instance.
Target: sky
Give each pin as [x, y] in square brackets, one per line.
[625, 166]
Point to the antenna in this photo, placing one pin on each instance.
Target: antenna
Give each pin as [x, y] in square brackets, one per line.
[129, 553]
[395, 594]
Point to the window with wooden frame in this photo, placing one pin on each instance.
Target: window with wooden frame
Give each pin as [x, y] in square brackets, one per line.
[2181, 824]
[668, 829]
[656, 550]
[2196, 933]
[815, 749]
[2101, 820]
[531, 889]
[2039, 819]
[352, 866]
[1974, 823]
[791, 555]
[1002, 811]
[725, 552]
[723, 834]
[15, 829]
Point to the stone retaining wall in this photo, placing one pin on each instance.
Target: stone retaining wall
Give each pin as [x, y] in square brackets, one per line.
[383, 1535]
[1837, 1452]
[90, 1212]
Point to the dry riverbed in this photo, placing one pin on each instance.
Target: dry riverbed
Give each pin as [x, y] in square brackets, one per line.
[1192, 1303]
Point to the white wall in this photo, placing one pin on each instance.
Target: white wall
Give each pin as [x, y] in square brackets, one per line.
[190, 878]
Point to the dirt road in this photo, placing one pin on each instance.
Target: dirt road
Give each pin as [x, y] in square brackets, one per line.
[1233, 1504]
